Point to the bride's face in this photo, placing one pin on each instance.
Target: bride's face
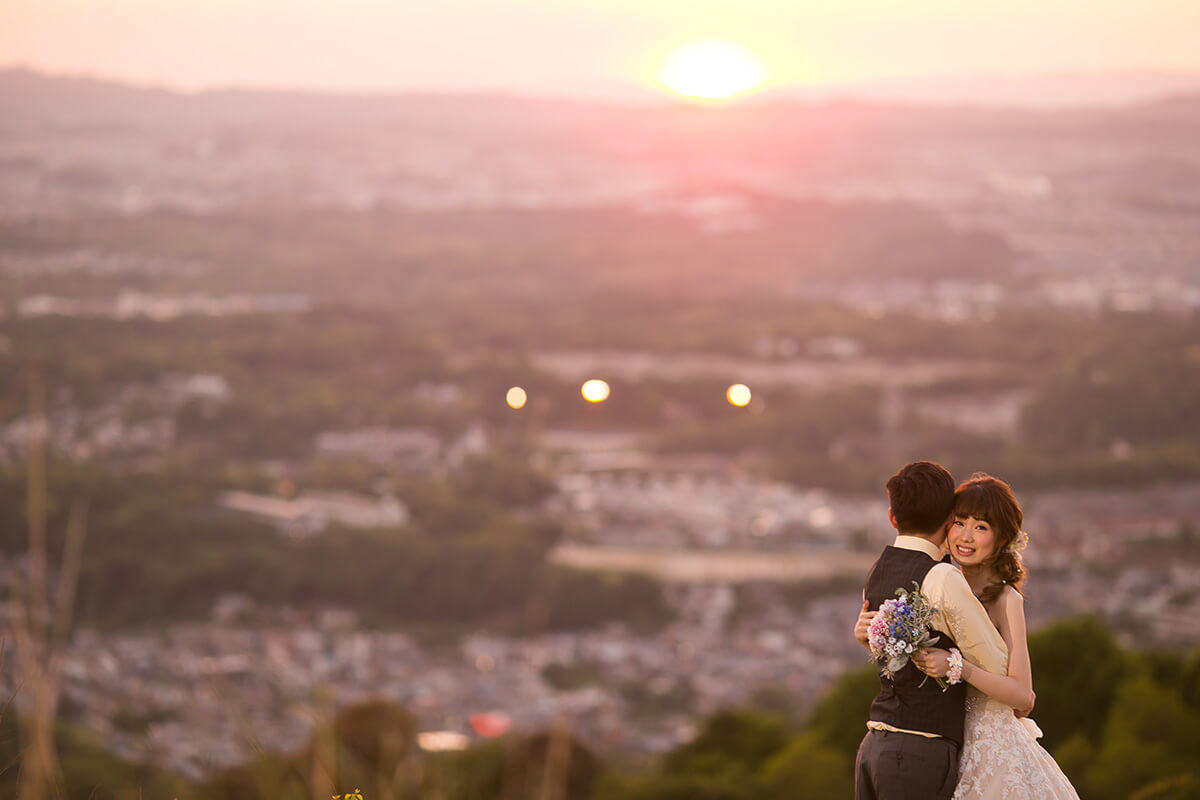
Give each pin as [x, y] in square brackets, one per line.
[972, 541]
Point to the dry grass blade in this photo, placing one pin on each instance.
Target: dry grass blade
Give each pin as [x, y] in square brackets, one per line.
[38, 645]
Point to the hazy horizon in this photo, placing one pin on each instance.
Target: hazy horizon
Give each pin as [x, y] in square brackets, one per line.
[1046, 91]
[592, 51]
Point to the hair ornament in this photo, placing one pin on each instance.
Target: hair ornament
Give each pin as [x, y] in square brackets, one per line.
[1019, 542]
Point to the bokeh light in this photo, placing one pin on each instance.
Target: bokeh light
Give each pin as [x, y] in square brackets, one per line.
[595, 391]
[516, 397]
[738, 395]
[442, 741]
[493, 723]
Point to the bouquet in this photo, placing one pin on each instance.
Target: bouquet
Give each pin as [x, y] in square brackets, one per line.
[900, 629]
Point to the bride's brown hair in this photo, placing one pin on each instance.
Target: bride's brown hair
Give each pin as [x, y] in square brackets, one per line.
[992, 500]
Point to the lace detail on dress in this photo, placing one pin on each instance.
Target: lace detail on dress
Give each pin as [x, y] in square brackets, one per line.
[1001, 759]
[955, 620]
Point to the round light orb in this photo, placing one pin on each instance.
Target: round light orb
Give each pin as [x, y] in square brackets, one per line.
[516, 397]
[595, 391]
[738, 395]
[712, 69]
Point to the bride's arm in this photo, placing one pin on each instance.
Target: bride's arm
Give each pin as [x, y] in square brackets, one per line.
[863, 625]
[1014, 689]
[1014, 635]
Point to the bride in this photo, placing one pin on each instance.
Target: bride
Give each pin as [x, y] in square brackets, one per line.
[1001, 757]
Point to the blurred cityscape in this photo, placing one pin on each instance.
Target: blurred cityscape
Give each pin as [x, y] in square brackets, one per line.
[275, 334]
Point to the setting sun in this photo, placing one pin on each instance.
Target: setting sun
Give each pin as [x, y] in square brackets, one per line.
[712, 69]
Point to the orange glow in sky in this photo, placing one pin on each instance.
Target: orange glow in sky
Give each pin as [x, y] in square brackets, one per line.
[585, 48]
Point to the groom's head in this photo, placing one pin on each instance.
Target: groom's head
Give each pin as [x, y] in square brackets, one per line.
[922, 498]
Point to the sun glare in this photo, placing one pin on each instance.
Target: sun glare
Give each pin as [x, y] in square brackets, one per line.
[712, 69]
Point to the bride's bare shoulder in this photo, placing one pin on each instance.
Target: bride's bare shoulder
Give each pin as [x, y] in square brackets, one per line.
[1012, 600]
[1012, 609]
[1008, 611]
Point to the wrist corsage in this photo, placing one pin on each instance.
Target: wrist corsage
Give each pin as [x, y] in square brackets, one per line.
[954, 674]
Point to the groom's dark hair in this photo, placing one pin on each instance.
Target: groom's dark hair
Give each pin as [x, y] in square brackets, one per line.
[922, 497]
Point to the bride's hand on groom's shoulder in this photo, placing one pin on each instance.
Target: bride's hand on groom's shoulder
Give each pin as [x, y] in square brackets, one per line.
[933, 661]
[863, 625]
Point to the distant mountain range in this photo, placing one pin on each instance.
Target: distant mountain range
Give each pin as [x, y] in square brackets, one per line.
[20, 86]
[1040, 92]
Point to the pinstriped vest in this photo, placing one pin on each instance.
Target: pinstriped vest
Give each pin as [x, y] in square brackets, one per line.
[902, 702]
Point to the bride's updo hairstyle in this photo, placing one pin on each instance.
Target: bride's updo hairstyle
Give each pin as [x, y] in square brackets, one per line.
[990, 499]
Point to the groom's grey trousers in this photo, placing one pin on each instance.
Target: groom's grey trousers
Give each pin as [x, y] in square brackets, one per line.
[904, 766]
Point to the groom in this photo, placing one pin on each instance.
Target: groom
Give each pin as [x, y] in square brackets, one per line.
[915, 730]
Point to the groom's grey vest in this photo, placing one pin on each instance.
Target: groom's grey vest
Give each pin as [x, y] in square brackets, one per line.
[902, 702]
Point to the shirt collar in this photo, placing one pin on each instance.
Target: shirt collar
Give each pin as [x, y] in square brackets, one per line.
[920, 544]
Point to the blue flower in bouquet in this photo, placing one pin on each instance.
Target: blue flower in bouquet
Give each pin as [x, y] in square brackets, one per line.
[900, 629]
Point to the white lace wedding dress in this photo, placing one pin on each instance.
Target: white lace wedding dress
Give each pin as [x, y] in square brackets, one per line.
[1001, 758]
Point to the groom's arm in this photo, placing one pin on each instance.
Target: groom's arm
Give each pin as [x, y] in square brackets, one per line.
[962, 616]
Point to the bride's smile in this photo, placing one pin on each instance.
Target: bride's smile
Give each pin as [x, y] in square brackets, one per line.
[971, 541]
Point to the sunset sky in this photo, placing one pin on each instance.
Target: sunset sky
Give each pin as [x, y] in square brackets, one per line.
[584, 48]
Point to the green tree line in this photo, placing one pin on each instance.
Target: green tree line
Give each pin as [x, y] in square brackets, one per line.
[1123, 724]
[157, 550]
